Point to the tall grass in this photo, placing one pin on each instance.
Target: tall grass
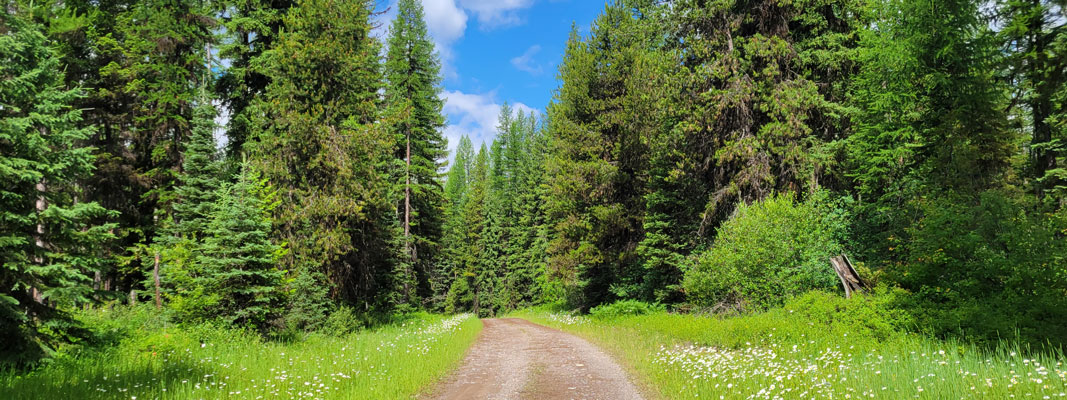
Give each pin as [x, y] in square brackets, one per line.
[197, 362]
[786, 354]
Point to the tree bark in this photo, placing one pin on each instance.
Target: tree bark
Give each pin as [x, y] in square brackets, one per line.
[155, 277]
[850, 279]
[38, 236]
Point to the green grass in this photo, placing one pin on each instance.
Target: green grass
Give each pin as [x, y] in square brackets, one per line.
[798, 352]
[161, 362]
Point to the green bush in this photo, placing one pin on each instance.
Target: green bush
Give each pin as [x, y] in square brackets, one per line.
[768, 252]
[624, 307]
[875, 315]
[983, 268]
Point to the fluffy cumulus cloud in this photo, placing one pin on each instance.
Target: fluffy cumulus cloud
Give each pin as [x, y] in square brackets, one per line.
[447, 21]
[495, 13]
[474, 115]
[526, 62]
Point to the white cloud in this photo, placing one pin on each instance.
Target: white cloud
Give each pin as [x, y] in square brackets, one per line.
[496, 13]
[474, 115]
[447, 21]
[526, 63]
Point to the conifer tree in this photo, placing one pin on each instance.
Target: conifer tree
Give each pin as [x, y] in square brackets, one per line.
[1034, 36]
[199, 181]
[318, 144]
[457, 189]
[238, 257]
[593, 182]
[252, 27]
[47, 244]
[466, 291]
[164, 47]
[89, 36]
[933, 121]
[181, 236]
[413, 77]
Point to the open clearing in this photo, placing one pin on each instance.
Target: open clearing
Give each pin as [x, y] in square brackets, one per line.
[517, 359]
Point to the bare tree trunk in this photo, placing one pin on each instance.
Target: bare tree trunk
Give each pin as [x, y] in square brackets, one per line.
[38, 236]
[155, 277]
[407, 196]
[477, 303]
[850, 279]
[407, 218]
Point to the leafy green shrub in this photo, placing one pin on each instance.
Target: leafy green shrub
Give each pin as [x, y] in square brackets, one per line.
[624, 307]
[342, 321]
[983, 268]
[875, 315]
[768, 252]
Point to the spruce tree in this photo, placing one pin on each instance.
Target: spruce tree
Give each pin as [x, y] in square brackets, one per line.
[318, 144]
[199, 181]
[594, 184]
[469, 277]
[182, 235]
[457, 188]
[252, 27]
[413, 77]
[47, 246]
[238, 257]
[1034, 36]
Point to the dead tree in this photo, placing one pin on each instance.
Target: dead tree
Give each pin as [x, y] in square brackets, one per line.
[850, 279]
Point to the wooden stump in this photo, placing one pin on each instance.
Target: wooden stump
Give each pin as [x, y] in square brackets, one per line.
[850, 279]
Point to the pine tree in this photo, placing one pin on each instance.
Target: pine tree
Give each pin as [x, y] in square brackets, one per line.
[239, 259]
[181, 236]
[1034, 34]
[252, 27]
[47, 246]
[457, 189]
[469, 278]
[318, 144]
[199, 181]
[413, 78]
[593, 171]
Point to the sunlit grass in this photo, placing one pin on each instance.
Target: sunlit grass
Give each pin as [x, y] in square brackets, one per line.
[391, 362]
[777, 355]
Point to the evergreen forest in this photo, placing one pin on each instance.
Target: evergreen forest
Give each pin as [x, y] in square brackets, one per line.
[698, 157]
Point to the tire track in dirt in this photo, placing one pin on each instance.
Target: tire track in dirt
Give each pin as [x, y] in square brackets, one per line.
[517, 359]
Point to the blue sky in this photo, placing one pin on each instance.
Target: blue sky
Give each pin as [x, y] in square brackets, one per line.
[496, 51]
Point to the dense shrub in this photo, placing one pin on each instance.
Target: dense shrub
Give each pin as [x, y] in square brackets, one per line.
[624, 307]
[876, 315]
[985, 268]
[769, 251]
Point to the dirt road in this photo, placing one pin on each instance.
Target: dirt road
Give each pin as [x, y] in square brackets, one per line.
[517, 359]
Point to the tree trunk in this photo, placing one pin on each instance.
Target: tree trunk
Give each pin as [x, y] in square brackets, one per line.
[407, 220]
[850, 279]
[155, 277]
[38, 235]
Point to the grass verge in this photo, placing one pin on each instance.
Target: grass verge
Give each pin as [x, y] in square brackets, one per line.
[390, 362]
[818, 347]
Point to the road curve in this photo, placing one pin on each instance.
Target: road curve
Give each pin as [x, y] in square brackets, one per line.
[517, 359]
